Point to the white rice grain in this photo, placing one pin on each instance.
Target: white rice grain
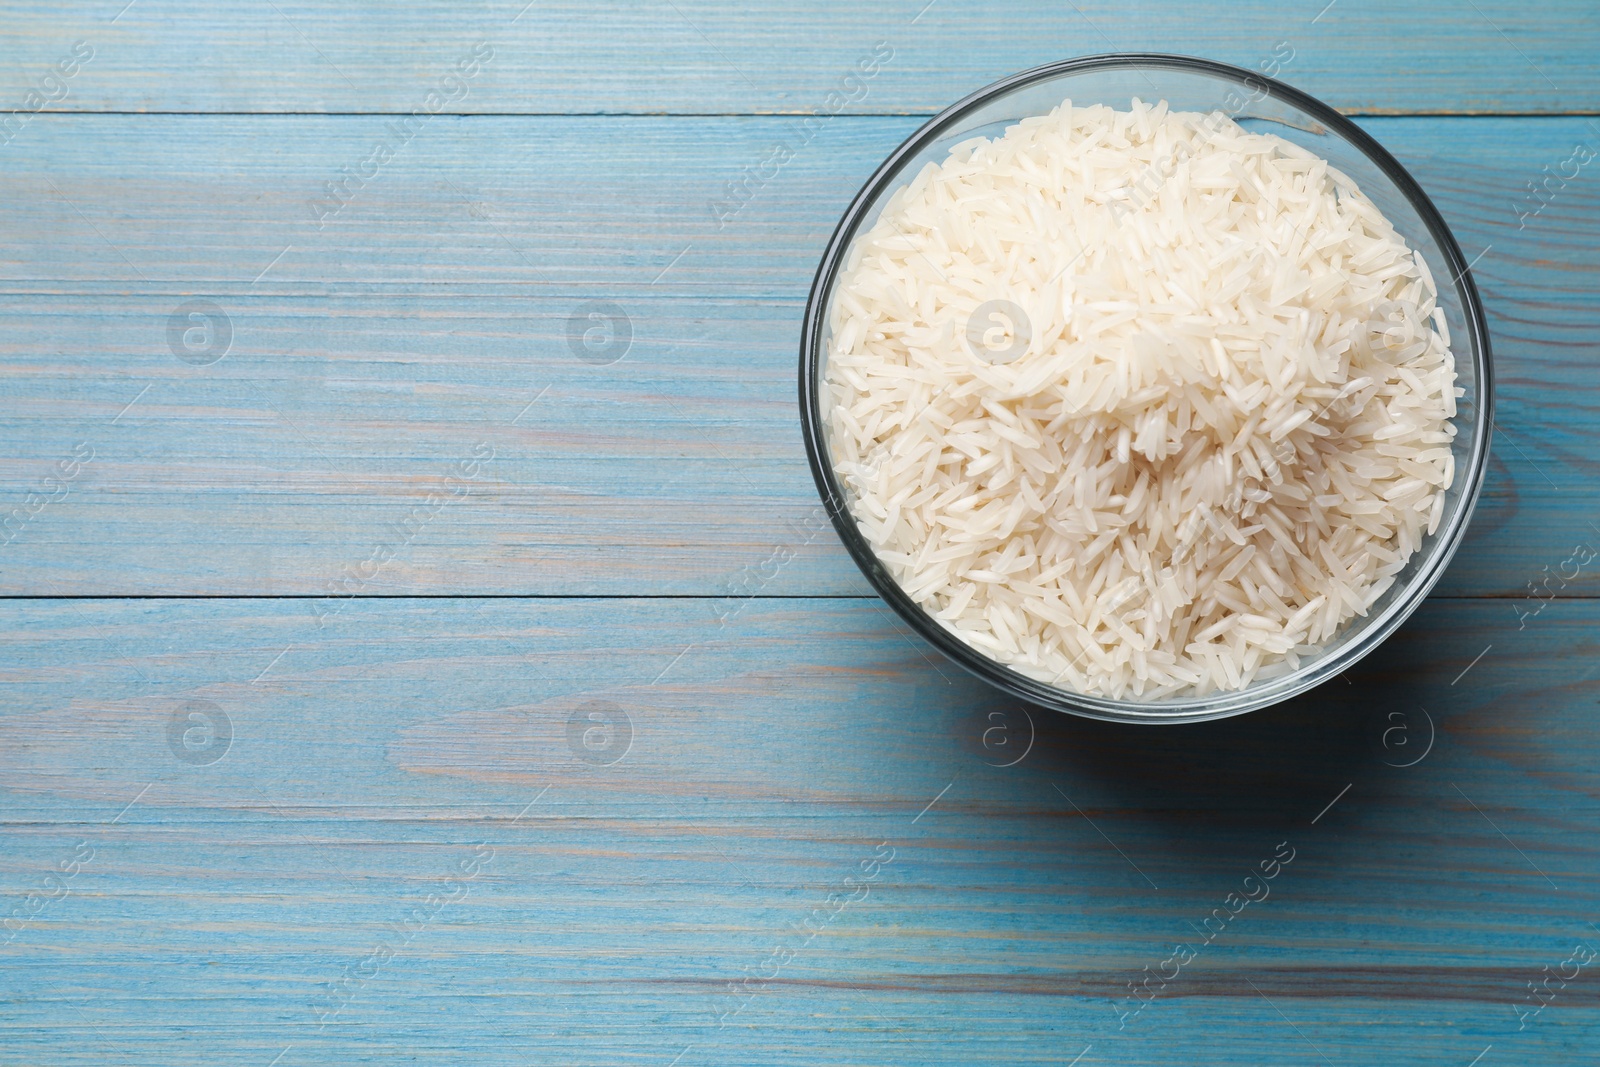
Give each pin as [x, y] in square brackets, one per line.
[1226, 434]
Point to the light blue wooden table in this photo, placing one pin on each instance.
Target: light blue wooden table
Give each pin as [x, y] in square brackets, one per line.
[390, 678]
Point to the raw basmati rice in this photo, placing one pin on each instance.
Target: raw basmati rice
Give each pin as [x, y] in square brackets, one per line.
[1139, 403]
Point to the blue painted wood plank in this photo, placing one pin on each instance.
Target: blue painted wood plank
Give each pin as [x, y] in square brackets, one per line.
[369, 360]
[300, 831]
[715, 56]
[197, 899]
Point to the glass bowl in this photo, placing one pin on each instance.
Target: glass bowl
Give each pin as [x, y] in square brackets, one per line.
[1257, 103]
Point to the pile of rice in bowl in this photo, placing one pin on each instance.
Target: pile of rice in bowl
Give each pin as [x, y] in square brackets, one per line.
[1139, 403]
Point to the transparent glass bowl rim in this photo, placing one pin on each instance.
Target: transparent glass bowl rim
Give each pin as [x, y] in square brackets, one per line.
[1214, 705]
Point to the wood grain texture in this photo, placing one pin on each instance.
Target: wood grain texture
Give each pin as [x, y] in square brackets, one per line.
[371, 357]
[765, 765]
[349, 827]
[716, 56]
